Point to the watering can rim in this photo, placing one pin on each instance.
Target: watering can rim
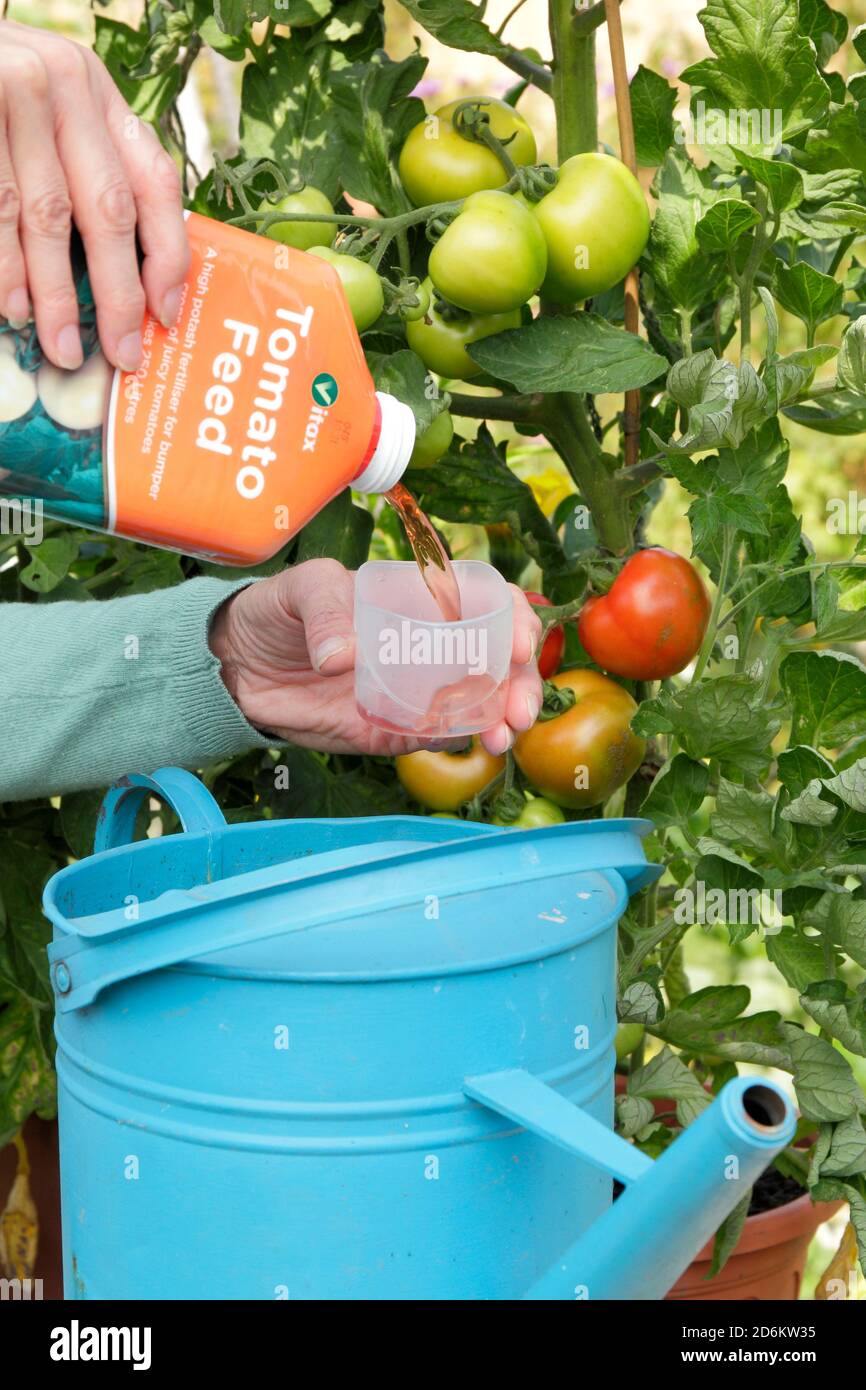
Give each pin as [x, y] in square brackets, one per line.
[224, 922]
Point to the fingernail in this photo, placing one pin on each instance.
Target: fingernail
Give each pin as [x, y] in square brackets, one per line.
[533, 644]
[533, 705]
[170, 307]
[330, 648]
[129, 352]
[508, 741]
[18, 307]
[69, 352]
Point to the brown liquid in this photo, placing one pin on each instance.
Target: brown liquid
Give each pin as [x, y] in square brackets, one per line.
[435, 567]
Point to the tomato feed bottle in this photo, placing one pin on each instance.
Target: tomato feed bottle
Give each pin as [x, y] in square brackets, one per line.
[243, 420]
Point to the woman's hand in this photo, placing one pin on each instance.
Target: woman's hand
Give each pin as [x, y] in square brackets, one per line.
[288, 654]
[72, 150]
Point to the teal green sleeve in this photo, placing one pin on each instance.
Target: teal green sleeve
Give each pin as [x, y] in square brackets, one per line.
[92, 690]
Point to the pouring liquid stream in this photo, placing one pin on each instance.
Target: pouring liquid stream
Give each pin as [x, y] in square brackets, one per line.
[429, 552]
[451, 702]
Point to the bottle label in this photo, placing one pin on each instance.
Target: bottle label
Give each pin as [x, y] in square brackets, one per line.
[248, 414]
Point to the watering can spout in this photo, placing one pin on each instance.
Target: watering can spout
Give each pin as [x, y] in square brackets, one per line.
[652, 1232]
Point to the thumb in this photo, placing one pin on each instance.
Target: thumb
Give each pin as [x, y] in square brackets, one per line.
[321, 594]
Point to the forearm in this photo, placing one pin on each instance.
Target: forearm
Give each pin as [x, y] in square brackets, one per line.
[89, 691]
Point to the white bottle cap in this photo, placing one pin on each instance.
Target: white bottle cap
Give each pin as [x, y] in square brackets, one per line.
[394, 449]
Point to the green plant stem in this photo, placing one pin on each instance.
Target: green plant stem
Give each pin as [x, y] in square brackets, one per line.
[520, 408]
[686, 331]
[566, 424]
[721, 588]
[574, 84]
[535, 73]
[629, 481]
[775, 578]
[746, 280]
[586, 21]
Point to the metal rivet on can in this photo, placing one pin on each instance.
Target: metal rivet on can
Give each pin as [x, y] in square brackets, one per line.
[62, 978]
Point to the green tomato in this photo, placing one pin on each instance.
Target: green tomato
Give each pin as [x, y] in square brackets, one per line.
[431, 445]
[492, 257]
[537, 812]
[596, 224]
[361, 283]
[417, 311]
[438, 164]
[302, 235]
[441, 343]
[629, 1037]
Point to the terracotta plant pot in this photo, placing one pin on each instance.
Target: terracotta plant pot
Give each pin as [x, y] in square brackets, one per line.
[40, 1136]
[768, 1259]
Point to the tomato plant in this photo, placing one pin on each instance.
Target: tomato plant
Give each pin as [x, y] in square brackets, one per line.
[651, 622]
[581, 757]
[741, 737]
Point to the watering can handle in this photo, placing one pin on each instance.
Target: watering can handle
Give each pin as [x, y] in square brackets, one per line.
[195, 807]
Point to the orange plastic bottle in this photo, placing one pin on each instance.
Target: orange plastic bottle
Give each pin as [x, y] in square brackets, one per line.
[242, 422]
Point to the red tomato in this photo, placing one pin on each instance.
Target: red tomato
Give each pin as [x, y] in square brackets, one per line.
[651, 622]
[554, 643]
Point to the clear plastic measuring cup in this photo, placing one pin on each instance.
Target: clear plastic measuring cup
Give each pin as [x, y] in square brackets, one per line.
[416, 673]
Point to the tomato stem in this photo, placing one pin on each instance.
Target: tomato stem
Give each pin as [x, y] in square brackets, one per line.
[574, 82]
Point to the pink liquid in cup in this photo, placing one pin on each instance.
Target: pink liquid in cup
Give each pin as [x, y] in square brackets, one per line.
[416, 673]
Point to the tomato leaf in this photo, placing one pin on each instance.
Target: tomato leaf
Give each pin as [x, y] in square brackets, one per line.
[806, 293]
[475, 484]
[851, 365]
[376, 113]
[286, 113]
[679, 263]
[823, 1079]
[837, 1010]
[340, 531]
[677, 791]
[724, 223]
[49, 562]
[839, 412]
[121, 49]
[783, 182]
[403, 374]
[727, 718]
[457, 23]
[827, 28]
[26, 1077]
[652, 105]
[583, 354]
[711, 1021]
[827, 694]
[799, 959]
[763, 63]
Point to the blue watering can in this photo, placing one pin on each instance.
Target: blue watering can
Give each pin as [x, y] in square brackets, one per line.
[364, 1059]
